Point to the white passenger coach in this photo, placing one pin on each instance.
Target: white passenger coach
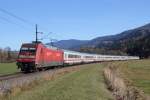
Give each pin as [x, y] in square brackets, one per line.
[72, 57]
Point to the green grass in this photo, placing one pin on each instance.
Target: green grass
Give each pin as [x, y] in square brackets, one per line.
[8, 68]
[86, 84]
[138, 72]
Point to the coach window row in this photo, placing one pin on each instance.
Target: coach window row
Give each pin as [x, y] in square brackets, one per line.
[73, 56]
[89, 57]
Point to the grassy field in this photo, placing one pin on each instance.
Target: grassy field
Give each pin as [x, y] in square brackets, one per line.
[138, 72]
[86, 84]
[8, 68]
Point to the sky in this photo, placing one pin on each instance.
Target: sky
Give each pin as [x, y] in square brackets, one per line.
[68, 19]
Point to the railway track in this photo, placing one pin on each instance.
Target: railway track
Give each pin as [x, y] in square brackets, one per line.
[10, 81]
[20, 74]
[10, 76]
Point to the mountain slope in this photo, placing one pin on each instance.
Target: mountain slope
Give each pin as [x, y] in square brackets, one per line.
[131, 42]
[67, 44]
[124, 36]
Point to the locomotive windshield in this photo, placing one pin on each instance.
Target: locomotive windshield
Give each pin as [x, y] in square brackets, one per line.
[30, 50]
[27, 52]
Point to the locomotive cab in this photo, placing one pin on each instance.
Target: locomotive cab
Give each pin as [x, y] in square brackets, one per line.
[26, 57]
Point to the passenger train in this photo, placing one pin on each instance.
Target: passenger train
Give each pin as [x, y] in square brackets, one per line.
[37, 56]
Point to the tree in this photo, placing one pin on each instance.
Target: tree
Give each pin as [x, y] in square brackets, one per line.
[8, 51]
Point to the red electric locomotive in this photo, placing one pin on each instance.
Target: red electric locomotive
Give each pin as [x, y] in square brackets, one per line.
[36, 56]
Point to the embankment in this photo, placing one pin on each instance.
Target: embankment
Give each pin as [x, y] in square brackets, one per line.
[121, 87]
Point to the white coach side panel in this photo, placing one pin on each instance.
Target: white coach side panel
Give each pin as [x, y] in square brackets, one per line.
[71, 57]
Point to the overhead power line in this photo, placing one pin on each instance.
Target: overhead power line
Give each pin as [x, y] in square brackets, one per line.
[17, 17]
[20, 19]
[11, 22]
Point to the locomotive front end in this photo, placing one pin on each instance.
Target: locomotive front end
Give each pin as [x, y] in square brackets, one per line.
[26, 57]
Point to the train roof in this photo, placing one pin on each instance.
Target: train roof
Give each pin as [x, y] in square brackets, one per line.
[76, 52]
[51, 47]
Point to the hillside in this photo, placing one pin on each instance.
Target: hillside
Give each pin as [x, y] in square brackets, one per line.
[134, 34]
[131, 42]
[67, 44]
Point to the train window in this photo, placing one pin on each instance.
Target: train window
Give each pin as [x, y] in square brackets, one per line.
[89, 57]
[74, 56]
[70, 56]
[32, 48]
[24, 48]
[29, 50]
